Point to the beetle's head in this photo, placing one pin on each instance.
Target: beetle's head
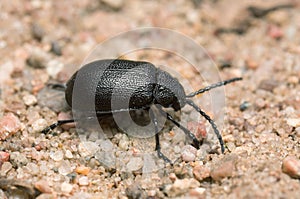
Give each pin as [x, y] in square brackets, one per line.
[168, 92]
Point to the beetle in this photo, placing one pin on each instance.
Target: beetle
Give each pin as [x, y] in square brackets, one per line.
[135, 85]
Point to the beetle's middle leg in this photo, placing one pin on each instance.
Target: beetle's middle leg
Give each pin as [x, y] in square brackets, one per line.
[195, 141]
[157, 147]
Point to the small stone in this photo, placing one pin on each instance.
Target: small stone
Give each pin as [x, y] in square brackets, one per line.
[33, 168]
[245, 105]
[57, 155]
[18, 159]
[107, 159]
[124, 142]
[188, 153]
[9, 125]
[83, 181]
[4, 156]
[134, 164]
[68, 154]
[39, 125]
[106, 145]
[56, 48]
[29, 100]
[291, 166]
[43, 186]
[135, 191]
[83, 170]
[201, 172]
[275, 32]
[6, 167]
[294, 122]
[197, 192]
[54, 67]
[66, 187]
[224, 168]
[65, 167]
[87, 148]
[251, 64]
[268, 84]
[38, 58]
[37, 32]
[181, 186]
[114, 4]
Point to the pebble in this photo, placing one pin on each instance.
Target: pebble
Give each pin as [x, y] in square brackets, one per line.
[38, 58]
[18, 159]
[57, 155]
[275, 32]
[9, 125]
[29, 100]
[251, 64]
[57, 102]
[294, 122]
[6, 167]
[181, 186]
[106, 145]
[135, 191]
[107, 159]
[4, 156]
[66, 187]
[87, 148]
[114, 4]
[43, 186]
[188, 153]
[37, 32]
[124, 142]
[68, 154]
[224, 168]
[56, 48]
[201, 172]
[83, 170]
[65, 168]
[54, 67]
[33, 168]
[291, 166]
[245, 105]
[134, 164]
[268, 84]
[83, 181]
[197, 192]
[39, 125]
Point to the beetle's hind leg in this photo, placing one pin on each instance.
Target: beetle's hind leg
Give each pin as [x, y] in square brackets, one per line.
[157, 147]
[56, 124]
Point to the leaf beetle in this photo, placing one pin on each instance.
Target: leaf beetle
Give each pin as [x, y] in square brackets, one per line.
[140, 81]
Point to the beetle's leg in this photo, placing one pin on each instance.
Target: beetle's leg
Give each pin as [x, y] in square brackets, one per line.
[223, 83]
[56, 124]
[57, 86]
[212, 123]
[157, 147]
[188, 133]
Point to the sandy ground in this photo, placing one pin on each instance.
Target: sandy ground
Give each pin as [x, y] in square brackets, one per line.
[44, 42]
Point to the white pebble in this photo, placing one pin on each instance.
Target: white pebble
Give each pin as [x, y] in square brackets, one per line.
[68, 154]
[29, 100]
[57, 156]
[66, 187]
[83, 181]
[39, 125]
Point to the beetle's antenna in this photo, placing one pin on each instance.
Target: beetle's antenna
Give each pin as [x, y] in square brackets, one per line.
[202, 90]
[214, 126]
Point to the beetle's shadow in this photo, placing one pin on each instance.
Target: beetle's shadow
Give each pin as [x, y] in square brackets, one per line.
[105, 126]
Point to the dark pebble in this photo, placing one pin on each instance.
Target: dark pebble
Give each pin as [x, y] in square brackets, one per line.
[244, 106]
[56, 48]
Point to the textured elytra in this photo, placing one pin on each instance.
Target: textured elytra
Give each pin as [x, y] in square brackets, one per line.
[127, 84]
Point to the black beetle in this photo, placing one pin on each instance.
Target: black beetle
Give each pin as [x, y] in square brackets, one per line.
[143, 83]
